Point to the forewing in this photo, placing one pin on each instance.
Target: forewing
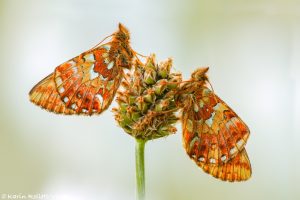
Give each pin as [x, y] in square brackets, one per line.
[212, 131]
[87, 83]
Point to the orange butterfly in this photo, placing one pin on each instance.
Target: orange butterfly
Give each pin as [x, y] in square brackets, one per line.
[86, 84]
[213, 134]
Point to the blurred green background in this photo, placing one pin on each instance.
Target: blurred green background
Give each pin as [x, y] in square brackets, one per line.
[252, 48]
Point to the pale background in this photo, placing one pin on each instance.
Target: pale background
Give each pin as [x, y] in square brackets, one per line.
[252, 48]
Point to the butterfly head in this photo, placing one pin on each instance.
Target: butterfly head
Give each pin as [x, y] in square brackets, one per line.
[187, 89]
[125, 52]
[200, 74]
[122, 34]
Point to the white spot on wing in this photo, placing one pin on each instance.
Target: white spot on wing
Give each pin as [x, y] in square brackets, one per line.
[89, 57]
[102, 77]
[84, 110]
[223, 158]
[212, 160]
[220, 107]
[210, 120]
[240, 143]
[216, 107]
[233, 150]
[110, 65]
[66, 99]
[201, 159]
[74, 106]
[61, 89]
[58, 81]
[93, 74]
[98, 96]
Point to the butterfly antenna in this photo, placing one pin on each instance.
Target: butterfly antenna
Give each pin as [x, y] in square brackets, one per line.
[136, 54]
[102, 41]
[139, 54]
[211, 86]
[138, 60]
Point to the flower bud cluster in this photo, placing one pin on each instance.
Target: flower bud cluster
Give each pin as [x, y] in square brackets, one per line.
[146, 107]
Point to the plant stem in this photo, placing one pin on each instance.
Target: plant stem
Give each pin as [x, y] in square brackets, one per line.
[140, 169]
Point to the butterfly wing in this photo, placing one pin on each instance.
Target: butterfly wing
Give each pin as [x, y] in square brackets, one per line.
[45, 95]
[236, 169]
[213, 134]
[85, 84]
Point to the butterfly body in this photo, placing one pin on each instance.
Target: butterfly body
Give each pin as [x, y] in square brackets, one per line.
[86, 84]
[213, 134]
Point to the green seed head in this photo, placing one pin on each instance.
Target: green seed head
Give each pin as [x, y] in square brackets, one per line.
[146, 107]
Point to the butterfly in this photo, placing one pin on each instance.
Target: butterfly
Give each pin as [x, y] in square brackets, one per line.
[214, 136]
[86, 84]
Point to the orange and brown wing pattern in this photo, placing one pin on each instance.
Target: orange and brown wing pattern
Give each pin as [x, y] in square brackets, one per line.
[87, 83]
[236, 169]
[45, 95]
[213, 134]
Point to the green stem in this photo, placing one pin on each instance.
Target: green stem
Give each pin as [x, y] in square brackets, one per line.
[140, 169]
